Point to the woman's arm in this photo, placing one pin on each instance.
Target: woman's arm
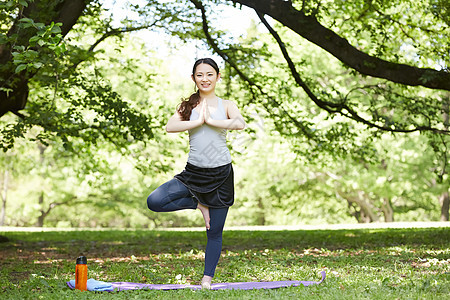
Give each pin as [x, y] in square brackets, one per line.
[175, 124]
[235, 120]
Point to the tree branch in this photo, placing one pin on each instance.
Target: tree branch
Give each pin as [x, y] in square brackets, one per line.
[69, 13]
[113, 32]
[118, 31]
[309, 28]
[225, 57]
[330, 106]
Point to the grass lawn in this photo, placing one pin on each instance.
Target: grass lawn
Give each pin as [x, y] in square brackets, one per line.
[382, 263]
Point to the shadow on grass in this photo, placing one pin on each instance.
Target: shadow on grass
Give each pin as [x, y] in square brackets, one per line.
[143, 242]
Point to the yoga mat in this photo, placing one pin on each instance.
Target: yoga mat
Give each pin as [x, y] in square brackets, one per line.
[122, 286]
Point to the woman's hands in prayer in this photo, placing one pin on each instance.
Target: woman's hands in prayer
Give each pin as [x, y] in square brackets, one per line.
[205, 116]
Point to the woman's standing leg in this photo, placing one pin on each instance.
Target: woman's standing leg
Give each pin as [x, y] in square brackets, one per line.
[214, 244]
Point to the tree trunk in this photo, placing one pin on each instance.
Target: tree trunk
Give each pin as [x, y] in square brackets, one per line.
[40, 220]
[388, 211]
[4, 193]
[45, 213]
[367, 212]
[444, 201]
[66, 12]
[363, 217]
[261, 218]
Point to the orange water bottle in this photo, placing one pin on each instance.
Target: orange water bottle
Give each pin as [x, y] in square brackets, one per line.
[81, 274]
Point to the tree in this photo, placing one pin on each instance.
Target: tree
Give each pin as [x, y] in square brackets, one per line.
[402, 186]
[32, 57]
[323, 68]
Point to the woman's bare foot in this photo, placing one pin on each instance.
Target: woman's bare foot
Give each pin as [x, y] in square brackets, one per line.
[206, 282]
[205, 213]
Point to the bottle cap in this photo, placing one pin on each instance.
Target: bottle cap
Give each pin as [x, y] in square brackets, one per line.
[82, 260]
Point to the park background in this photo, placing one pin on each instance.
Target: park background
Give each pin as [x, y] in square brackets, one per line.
[343, 167]
[325, 142]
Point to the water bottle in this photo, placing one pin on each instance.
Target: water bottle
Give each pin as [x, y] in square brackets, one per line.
[81, 274]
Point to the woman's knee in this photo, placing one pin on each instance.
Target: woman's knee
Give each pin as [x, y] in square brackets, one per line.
[217, 223]
[153, 202]
[215, 233]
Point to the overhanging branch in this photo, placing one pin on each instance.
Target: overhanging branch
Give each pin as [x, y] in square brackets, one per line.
[309, 28]
[331, 107]
[328, 106]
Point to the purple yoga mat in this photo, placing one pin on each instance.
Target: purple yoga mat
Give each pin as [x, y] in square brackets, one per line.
[122, 286]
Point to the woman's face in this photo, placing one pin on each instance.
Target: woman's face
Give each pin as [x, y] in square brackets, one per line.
[205, 78]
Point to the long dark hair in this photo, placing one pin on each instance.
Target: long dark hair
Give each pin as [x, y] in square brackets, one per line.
[187, 104]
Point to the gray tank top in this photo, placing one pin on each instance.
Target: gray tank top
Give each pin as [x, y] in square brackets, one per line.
[208, 145]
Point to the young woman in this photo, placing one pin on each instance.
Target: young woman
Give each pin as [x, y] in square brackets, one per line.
[207, 181]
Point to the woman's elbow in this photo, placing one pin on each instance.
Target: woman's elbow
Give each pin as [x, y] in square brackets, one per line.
[241, 125]
[170, 128]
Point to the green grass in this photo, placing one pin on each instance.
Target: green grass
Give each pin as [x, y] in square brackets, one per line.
[360, 263]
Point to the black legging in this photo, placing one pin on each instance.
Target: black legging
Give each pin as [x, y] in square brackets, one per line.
[172, 196]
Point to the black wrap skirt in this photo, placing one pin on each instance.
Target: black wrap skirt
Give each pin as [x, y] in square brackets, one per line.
[212, 187]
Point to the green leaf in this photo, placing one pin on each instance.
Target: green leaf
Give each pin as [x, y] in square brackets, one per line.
[20, 68]
[34, 39]
[32, 53]
[19, 48]
[23, 3]
[10, 4]
[7, 90]
[55, 29]
[26, 20]
[26, 25]
[39, 25]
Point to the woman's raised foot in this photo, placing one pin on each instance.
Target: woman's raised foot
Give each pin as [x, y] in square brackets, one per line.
[205, 213]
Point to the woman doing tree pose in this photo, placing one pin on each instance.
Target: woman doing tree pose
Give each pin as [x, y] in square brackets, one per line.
[206, 182]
